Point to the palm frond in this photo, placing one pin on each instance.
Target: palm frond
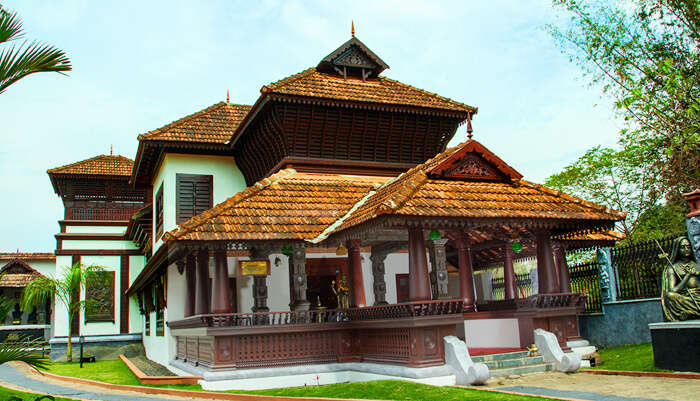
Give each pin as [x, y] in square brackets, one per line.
[24, 350]
[37, 292]
[10, 26]
[17, 62]
[6, 305]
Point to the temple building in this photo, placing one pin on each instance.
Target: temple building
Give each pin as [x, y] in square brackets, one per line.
[325, 228]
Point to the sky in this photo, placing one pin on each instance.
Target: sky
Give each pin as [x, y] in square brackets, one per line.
[140, 65]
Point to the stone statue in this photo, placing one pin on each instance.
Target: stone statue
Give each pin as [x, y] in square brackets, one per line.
[680, 291]
[341, 292]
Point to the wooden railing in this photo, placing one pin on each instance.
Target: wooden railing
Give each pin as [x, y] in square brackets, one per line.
[379, 312]
[537, 301]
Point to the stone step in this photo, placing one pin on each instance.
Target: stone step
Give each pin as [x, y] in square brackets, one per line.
[511, 363]
[577, 343]
[584, 350]
[505, 355]
[519, 370]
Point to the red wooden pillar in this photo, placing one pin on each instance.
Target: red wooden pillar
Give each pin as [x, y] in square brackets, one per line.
[509, 272]
[201, 298]
[355, 262]
[418, 278]
[546, 272]
[190, 284]
[562, 268]
[466, 278]
[222, 295]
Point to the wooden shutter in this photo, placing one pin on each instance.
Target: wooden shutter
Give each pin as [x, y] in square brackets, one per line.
[194, 195]
[159, 212]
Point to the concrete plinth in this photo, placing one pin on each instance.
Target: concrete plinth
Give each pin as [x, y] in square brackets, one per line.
[676, 345]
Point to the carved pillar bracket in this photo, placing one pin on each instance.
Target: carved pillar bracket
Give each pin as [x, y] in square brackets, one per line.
[355, 264]
[509, 271]
[562, 268]
[466, 277]
[299, 278]
[222, 293]
[201, 304]
[438, 260]
[418, 278]
[260, 282]
[546, 270]
[190, 283]
[378, 271]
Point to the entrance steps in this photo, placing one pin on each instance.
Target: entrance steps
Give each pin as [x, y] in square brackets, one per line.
[587, 351]
[513, 363]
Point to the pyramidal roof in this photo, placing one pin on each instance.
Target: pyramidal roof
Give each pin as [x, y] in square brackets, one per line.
[110, 165]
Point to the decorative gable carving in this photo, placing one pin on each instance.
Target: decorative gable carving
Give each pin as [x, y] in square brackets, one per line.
[474, 162]
[17, 266]
[354, 57]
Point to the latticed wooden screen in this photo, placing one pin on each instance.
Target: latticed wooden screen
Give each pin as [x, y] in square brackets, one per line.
[522, 282]
[639, 266]
[585, 279]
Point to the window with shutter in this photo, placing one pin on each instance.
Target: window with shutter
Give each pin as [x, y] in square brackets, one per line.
[159, 213]
[194, 195]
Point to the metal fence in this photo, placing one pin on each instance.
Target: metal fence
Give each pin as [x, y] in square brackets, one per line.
[638, 267]
[522, 282]
[585, 279]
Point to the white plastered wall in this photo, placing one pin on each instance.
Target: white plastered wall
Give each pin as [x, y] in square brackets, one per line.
[95, 229]
[136, 264]
[227, 181]
[108, 263]
[162, 349]
[60, 314]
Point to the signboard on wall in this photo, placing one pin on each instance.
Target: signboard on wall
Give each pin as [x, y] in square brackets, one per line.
[254, 267]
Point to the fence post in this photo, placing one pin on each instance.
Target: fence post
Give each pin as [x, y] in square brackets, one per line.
[608, 284]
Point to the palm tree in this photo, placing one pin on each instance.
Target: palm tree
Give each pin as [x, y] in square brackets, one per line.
[24, 349]
[65, 289]
[19, 60]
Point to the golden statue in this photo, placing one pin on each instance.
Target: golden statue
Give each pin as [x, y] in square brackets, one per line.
[680, 291]
[341, 292]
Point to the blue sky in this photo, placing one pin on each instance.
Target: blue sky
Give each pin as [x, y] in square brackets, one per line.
[140, 65]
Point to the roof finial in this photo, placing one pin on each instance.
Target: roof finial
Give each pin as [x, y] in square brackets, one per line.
[111, 150]
[469, 126]
[228, 99]
[352, 28]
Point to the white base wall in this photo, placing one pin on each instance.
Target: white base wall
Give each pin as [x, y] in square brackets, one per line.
[491, 333]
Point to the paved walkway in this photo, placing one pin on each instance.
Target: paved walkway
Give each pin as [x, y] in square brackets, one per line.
[581, 395]
[11, 377]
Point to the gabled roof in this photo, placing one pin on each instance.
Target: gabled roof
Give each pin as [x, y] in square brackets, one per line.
[17, 273]
[209, 129]
[286, 205]
[215, 124]
[102, 165]
[414, 193]
[327, 63]
[316, 84]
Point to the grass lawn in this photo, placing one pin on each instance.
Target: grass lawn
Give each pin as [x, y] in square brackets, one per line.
[6, 394]
[116, 372]
[636, 357]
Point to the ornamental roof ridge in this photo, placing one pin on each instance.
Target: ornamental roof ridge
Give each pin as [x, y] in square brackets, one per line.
[198, 220]
[107, 162]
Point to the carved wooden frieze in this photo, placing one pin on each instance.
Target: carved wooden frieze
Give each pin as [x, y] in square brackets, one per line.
[99, 291]
[473, 167]
[354, 57]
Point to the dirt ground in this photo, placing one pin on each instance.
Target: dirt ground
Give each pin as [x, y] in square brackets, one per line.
[623, 386]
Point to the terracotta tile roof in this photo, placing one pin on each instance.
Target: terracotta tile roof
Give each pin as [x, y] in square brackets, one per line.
[607, 235]
[99, 165]
[414, 193]
[17, 273]
[313, 83]
[28, 255]
[286, 205]
[215, 124]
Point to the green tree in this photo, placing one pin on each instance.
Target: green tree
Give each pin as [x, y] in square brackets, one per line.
[17, 60]
[65, 289]
[645, 55]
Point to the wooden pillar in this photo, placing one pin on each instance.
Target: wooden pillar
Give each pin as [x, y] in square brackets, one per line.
[466, 278]
[509, 272]
[378, 271]
[438, 260]
[190, 284]
[260, 282]
[299, 280]
[201, 298]
[355, 264]
[222, 293]
[546, 272]
[418, 279]
[562, 268]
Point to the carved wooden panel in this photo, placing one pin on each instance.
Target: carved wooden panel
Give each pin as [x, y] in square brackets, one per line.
[472, 167]
[191, 349]
[99, 291]
[285, 349]
[181, 348]
[205, 351]
[386, 344]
